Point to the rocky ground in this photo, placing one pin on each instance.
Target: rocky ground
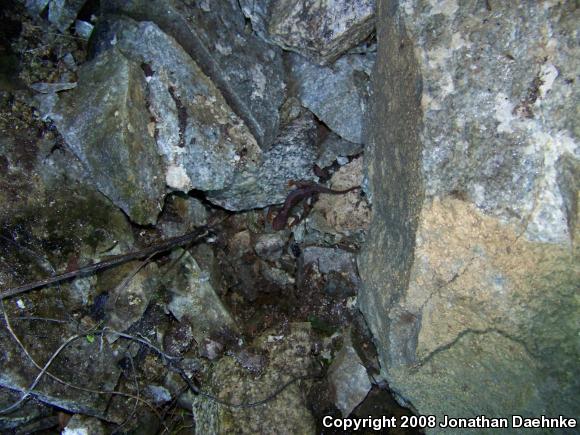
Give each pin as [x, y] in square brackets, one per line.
[126, 124]
[173, 158]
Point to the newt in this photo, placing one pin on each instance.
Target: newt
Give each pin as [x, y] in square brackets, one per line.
[303, 191]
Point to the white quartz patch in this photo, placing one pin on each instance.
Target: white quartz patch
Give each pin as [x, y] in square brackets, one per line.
[177, 178]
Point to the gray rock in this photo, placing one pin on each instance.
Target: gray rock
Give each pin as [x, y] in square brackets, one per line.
[334, 148]
[178, 339]
[36, 7]
[181, 215]
[84, 29]
[291, 158]
[319, 30]
[471, 267]
[337, 266]
[247, 71]
[209, 150]
[173, 382]
[276, 276]
[48, 88]
[62, 13]
[259, 13]
[70, 62]
[45, 104]
[158, 394]
[211, 349]
[348, 213]
[82, 289]
[203, 143]
[194, 300]
[104, 122]
[348, 380]
[224, 161]
[337, 95]
[84, 425]
[270, 246]
[251, 361]
[290, 110]
[241, 244]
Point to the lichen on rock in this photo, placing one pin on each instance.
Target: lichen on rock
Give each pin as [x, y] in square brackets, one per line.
[319, 30]
[104, 122]
[471, 268]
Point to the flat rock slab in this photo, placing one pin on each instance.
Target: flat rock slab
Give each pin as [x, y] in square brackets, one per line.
[104, 122]
[202, 141]
[28, 413]
[84, 364]
[248, 71]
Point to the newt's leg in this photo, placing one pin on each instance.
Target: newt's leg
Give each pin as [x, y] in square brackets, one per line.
[269, 216]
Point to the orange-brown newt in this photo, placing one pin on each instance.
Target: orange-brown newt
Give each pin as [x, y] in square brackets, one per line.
[303, 191]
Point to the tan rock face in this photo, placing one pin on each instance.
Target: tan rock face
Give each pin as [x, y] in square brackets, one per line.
[496, 315]
[288, 356]
[473, 273]
[471, 268]
[349, 212]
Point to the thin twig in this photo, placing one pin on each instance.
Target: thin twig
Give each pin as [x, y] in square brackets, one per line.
[43, 319]
[196, 235]
[50, 375]
[147, 343]
[39, 376]
[168, 358]
[259, 402]
[196, 390]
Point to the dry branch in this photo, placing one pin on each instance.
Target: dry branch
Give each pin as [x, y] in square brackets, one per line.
[166, 245]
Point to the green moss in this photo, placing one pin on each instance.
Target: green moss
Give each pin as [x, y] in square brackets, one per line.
[65, 224]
